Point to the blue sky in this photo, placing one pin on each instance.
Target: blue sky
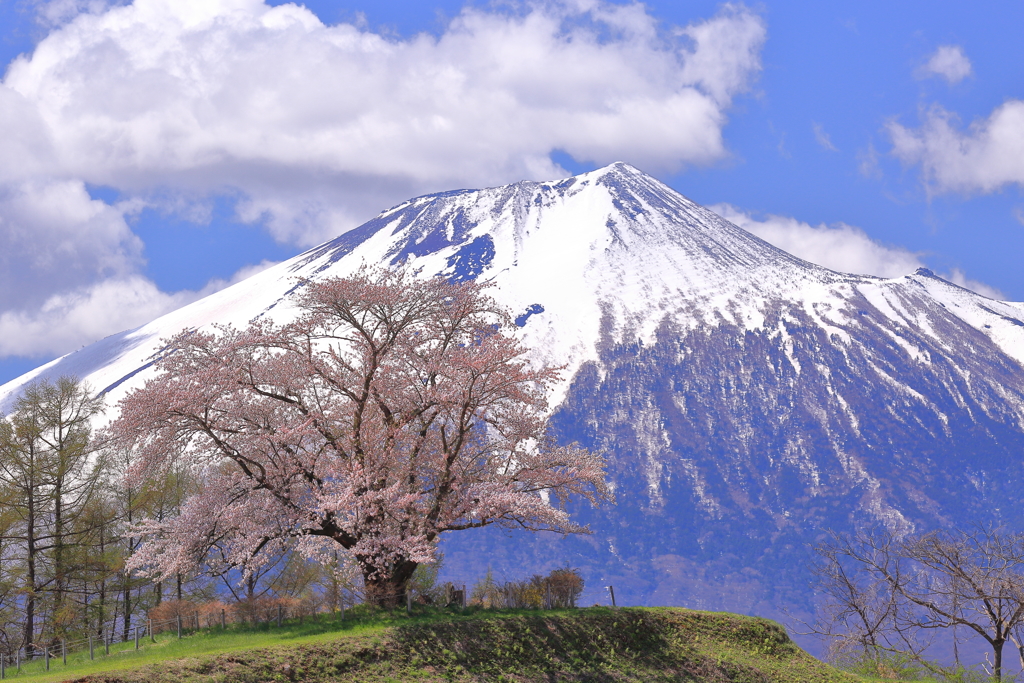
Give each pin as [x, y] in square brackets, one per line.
[153, 153]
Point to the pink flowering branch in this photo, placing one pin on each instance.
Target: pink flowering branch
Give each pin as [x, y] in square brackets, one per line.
[392, 410]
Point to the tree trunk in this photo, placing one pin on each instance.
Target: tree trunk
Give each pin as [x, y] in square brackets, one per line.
[59, 577]
[30, 570]
[390, 591]
[997, 666]
[101, 616]
[127, 619]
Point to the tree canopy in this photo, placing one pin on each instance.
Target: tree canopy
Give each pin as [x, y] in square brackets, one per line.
[390, 410]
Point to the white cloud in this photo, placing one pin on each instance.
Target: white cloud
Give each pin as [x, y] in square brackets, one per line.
[55, 238]
[52, 13]
[725, 52]
[73, 318]
[76, 317]
[320, 126]
[315, 128]
[69, 270]
[867, 162]
[985, 157]
[958, 277]
[949, 62]
[841, 247]
[823, 138]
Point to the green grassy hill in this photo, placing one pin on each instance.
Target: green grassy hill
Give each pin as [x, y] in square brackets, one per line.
[597, 644]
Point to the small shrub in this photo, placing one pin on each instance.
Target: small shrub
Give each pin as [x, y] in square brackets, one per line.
[566, 586]
[485, 592]
[888, 666]
[262, 610]
[164, 616]
[559, 589]
[423, 583]
[210, 613]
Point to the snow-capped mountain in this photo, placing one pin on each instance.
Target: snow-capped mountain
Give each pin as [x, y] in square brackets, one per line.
[747, 399]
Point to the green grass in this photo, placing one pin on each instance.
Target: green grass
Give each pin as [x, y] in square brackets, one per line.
[213, 641]
[596, 644]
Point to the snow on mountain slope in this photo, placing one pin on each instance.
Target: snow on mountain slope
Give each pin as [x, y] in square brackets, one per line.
[746, 399]
[606, 255]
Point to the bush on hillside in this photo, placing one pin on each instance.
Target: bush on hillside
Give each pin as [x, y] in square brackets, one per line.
[559, 589]
[260, 610]
[164, 616]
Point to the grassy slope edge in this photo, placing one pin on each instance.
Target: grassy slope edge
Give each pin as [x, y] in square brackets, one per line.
[597, 644]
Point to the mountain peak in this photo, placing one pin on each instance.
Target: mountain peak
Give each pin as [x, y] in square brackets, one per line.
[608, 252]
[616, 168]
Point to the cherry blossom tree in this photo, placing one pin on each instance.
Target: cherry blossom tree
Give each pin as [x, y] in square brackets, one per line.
[392, 409]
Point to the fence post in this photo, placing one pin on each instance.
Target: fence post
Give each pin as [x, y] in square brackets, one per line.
[279, 616]
[136, 637]
[106, 645]
[46, 656]
[223, 621]
[149, 630]
[91, 654]
[64, 652]
[611, 590]
[178, 619]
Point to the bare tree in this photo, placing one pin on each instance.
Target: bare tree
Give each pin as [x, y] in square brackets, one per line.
[971, 579]
[887, 594]
[859, 614]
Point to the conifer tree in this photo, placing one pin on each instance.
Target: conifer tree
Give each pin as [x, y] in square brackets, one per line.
[49, 473]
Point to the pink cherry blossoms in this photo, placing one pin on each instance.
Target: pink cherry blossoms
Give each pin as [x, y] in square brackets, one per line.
[393, 409]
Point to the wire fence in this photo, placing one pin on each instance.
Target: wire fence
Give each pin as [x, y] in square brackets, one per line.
[212, 615]
[142, 634]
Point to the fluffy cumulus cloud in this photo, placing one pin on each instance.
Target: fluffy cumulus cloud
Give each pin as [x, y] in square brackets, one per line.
[71, 318]
[948, 62]
[314, 127]
[841, 247]
[319, 126]
[984, 157]
[69, 270]
[54, 234]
